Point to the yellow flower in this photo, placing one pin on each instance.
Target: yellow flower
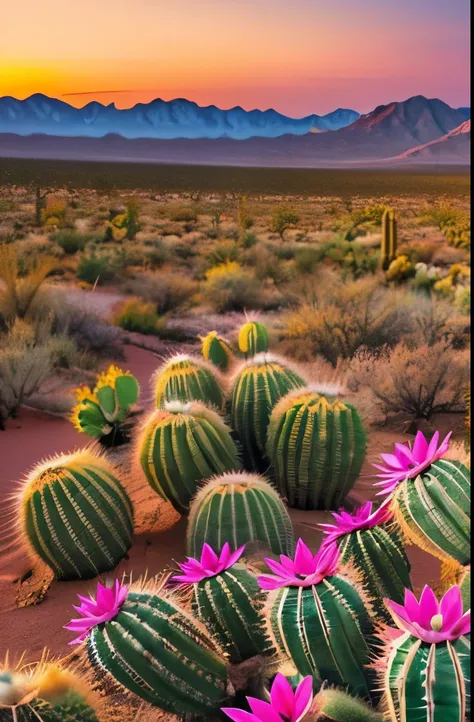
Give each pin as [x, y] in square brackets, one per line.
[84, 392]
[109, 377]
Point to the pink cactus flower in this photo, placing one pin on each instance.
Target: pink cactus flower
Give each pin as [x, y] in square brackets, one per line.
[103, 608]
[429, 620]
[210, 565]
[407, 462]
[304, 571]
[362, 518]
[284, 706]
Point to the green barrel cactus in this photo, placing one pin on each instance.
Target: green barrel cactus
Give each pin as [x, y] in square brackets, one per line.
[465, 586]
[334, 705]
[180, 445]
[429, 496]
[228, 600]
[185, 378]
[426, 668]
[253, 338]
[75, 515]
[44, 692]
[101, 413]
[217, 350]
[143, 640]
[257, 386]
[238, 508]
[320, 620]
[369, 541]
[317, 447]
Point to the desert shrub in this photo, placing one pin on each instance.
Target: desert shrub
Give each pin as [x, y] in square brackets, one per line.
[64, 352]
[282, 220]
[228, 287]
[267, 265]
[184, 215]
[24, 365]
[123, 224]
[95, 268]
[462, 299]
[417, 382]
[418, 252]
[135, 315]
[223, 252]
[400, 270]
[308, 259]
[369, 214]
[54, 212]
[285, 251]
[156, 255]
[248, 240]
[70, 240]
[18, 292]
[433, 320]
[168, 291]
[91, 334]
[341, 318]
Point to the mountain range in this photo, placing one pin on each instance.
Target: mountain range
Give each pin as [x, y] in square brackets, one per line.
[417, 130]
[158, 119]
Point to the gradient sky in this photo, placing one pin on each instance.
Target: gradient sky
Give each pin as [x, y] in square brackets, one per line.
[297, 56]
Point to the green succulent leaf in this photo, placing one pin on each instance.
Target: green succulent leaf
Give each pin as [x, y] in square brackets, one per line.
[108, 402]
[126, 389]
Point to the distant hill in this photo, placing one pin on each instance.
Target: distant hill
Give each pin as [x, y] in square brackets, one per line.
[158, 119]
[454, 147]
[390, 133]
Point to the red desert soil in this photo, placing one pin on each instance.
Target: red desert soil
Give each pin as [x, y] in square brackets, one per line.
[33, 436]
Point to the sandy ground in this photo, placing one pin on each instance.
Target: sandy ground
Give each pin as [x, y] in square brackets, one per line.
[33, 436]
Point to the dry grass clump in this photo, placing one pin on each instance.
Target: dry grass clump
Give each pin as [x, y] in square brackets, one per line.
[166, 289]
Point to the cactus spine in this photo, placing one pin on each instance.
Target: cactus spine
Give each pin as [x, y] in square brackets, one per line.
[180, 445]
[324, 630]
[217, 350]
[426, 681]
[389, 239]
[75, 515]
[185, 378]
[433, 510]
[238, 508]
[230, 606]
[317, 447]
[253, 338]
[378, 555]
[157, 651]
[258, 385]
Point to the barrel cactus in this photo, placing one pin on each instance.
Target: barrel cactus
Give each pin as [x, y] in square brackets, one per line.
[101, 413]
[217, 350]
[44, 691]
[257, 386]
[228, 600]
[75, 515]
[430, 497]
[181, 444]
[369, 541]
[238, 508]
[316, 445]
[330, 614]
[253, 338]
[185, 378]
[426, 666]
[140, 638]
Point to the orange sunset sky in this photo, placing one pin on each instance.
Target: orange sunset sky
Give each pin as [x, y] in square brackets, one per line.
[299, 57]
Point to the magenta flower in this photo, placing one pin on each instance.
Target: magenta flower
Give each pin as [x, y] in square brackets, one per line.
[429, 620]
[407, 462]
[304, 571]
[285, 705]
[103, 608]
[362, 518]
[210, 565]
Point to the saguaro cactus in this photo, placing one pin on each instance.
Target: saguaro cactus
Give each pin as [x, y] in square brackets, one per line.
[319, 619]
[239, 508]
[75, 515]
[257, 386]
[426, 668]
[228, 600]
[388, 251]
[180, 445]
[317, 447]
[142, 639]
[185, 378]
[430, 497]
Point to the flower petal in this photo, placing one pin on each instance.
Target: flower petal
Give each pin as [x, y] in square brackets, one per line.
[263, 710]
[282, 696]
[451, 607]
[303, 699]
[238, 715]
